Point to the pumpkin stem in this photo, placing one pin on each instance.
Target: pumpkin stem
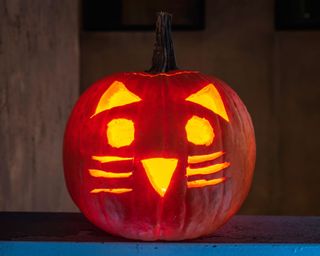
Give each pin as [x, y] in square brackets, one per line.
[163, 59]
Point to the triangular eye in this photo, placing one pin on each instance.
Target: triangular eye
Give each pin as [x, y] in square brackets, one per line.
[116, 95]
[210, 98]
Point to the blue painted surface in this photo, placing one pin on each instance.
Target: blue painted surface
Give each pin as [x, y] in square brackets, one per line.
[48, 234]
[12, 248]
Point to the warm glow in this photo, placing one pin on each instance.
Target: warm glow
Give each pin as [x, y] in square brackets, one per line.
[120, 132]
[203, 158]
[103, 174]
[107, 159]
[207, 170]
[199, 131]
[210, 98]
[116, 95]
[203, 183]
[159, 172]
[111, 190]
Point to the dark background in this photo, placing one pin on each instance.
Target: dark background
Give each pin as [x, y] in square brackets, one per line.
[45, 59]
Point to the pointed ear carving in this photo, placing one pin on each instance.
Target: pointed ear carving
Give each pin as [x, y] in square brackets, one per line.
[116, 95]
[209, 98]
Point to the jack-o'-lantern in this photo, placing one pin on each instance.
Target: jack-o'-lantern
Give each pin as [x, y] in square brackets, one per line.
[166, 154]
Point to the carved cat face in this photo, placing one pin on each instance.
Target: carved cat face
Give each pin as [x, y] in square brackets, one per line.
[120, 133]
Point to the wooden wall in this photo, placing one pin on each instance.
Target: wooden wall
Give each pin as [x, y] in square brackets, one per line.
[39, 79]
[297, 109]
[275, 73]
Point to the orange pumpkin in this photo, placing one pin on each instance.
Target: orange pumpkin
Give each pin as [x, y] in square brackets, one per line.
[166, 154]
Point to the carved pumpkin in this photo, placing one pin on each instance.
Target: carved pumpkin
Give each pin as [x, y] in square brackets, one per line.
[165, 154]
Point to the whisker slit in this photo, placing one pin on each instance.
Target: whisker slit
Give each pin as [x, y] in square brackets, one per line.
[102, 174]
[204, 183]
[107, 159]
[204, 158]
[111, 190]
[207, 170]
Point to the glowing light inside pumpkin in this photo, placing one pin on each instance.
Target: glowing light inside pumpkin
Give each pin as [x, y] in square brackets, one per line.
[102, 174]
[203, 158]
[159, 172]
[116, 95]
[107, 159]
[111, 190]
[199, 131]
[207, 170]
[120, 132]
[203, 183]
[210, 98]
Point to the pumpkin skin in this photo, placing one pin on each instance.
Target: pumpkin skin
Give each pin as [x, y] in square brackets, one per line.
[160, 119]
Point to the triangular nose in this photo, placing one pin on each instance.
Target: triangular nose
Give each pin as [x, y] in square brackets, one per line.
[159, 172]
